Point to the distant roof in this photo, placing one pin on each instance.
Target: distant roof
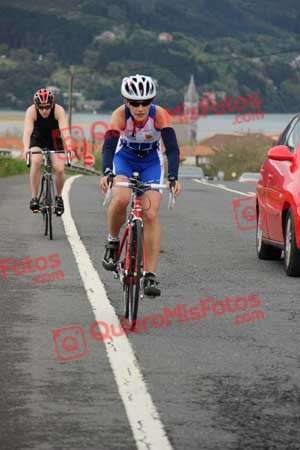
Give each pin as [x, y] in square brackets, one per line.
[11, 143]
[198, 150]
[220, 140]
[166, 37]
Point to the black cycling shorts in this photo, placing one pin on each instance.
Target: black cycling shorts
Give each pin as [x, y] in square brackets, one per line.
[36, 142]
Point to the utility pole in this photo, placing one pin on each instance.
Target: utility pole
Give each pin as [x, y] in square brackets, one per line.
[70, 103]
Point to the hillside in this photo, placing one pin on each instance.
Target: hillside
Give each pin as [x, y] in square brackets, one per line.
[232, 46]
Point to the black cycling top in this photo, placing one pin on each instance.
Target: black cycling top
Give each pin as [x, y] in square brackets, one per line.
[46, 132]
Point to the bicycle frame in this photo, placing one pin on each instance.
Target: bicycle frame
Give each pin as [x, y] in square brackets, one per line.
[47, 178]
[135, 213]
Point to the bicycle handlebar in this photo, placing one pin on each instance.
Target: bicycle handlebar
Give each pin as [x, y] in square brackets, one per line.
[43, 152]
[172, 199]
[128, 184]
[150, 185]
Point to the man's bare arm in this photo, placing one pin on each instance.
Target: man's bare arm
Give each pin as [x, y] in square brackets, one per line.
[62, 122]
[69, 143]
[28, 128]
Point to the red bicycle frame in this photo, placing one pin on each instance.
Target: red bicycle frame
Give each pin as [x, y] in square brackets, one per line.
[135, 214]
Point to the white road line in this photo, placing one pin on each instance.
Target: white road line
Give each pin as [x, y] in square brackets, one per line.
[147, 428]
[225, 188]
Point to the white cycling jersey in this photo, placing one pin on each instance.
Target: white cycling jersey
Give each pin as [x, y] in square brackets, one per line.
[140, 138]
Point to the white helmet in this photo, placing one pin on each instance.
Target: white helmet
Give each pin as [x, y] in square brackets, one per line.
[138, 87]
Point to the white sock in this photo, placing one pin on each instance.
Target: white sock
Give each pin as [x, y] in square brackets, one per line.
[112, 239]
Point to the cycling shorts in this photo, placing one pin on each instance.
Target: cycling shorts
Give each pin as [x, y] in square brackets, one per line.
[42, 143]
[150, 166]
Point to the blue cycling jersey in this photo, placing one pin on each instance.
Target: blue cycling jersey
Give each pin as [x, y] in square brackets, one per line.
[138, 149]
[141, 138]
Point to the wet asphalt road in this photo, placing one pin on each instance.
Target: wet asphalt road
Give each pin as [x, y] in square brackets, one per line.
[216, 385]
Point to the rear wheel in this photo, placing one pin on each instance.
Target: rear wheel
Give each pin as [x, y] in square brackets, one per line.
[291, 252]
[265, 251]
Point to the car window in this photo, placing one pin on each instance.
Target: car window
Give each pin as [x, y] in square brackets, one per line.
[287, 131]
[292, 135]
[282, 138]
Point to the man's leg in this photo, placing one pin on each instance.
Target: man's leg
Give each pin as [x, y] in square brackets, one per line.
[35, 176]
[59, 165]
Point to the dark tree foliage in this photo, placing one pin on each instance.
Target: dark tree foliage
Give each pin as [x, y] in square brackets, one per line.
[229, 46]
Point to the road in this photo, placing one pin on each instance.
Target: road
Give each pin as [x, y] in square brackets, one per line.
[215, 382]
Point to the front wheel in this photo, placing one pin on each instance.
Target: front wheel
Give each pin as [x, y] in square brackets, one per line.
[126, 299]
[50, 222]
[136, 244]
[49, 203]
[291, 252]
[43, 210]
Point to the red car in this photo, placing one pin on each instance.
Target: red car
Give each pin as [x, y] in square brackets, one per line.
[278, 201]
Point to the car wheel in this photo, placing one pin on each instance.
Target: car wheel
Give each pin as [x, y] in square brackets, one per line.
[265, 251]
[291, 253]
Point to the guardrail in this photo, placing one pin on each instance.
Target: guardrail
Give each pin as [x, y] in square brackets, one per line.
[6, 153]
[82, 169]
[15, 153]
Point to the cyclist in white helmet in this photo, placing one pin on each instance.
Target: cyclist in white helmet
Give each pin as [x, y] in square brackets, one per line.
[132, 143]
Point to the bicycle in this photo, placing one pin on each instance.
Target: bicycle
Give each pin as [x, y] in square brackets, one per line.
[46, 197]
[131, 259]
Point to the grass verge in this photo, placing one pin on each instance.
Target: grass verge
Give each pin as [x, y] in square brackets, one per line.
[10, 167]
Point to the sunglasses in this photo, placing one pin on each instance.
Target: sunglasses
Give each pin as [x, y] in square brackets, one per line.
[137, 103]
[45, 107]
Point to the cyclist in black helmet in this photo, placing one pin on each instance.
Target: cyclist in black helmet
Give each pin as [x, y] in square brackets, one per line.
[43, 121]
